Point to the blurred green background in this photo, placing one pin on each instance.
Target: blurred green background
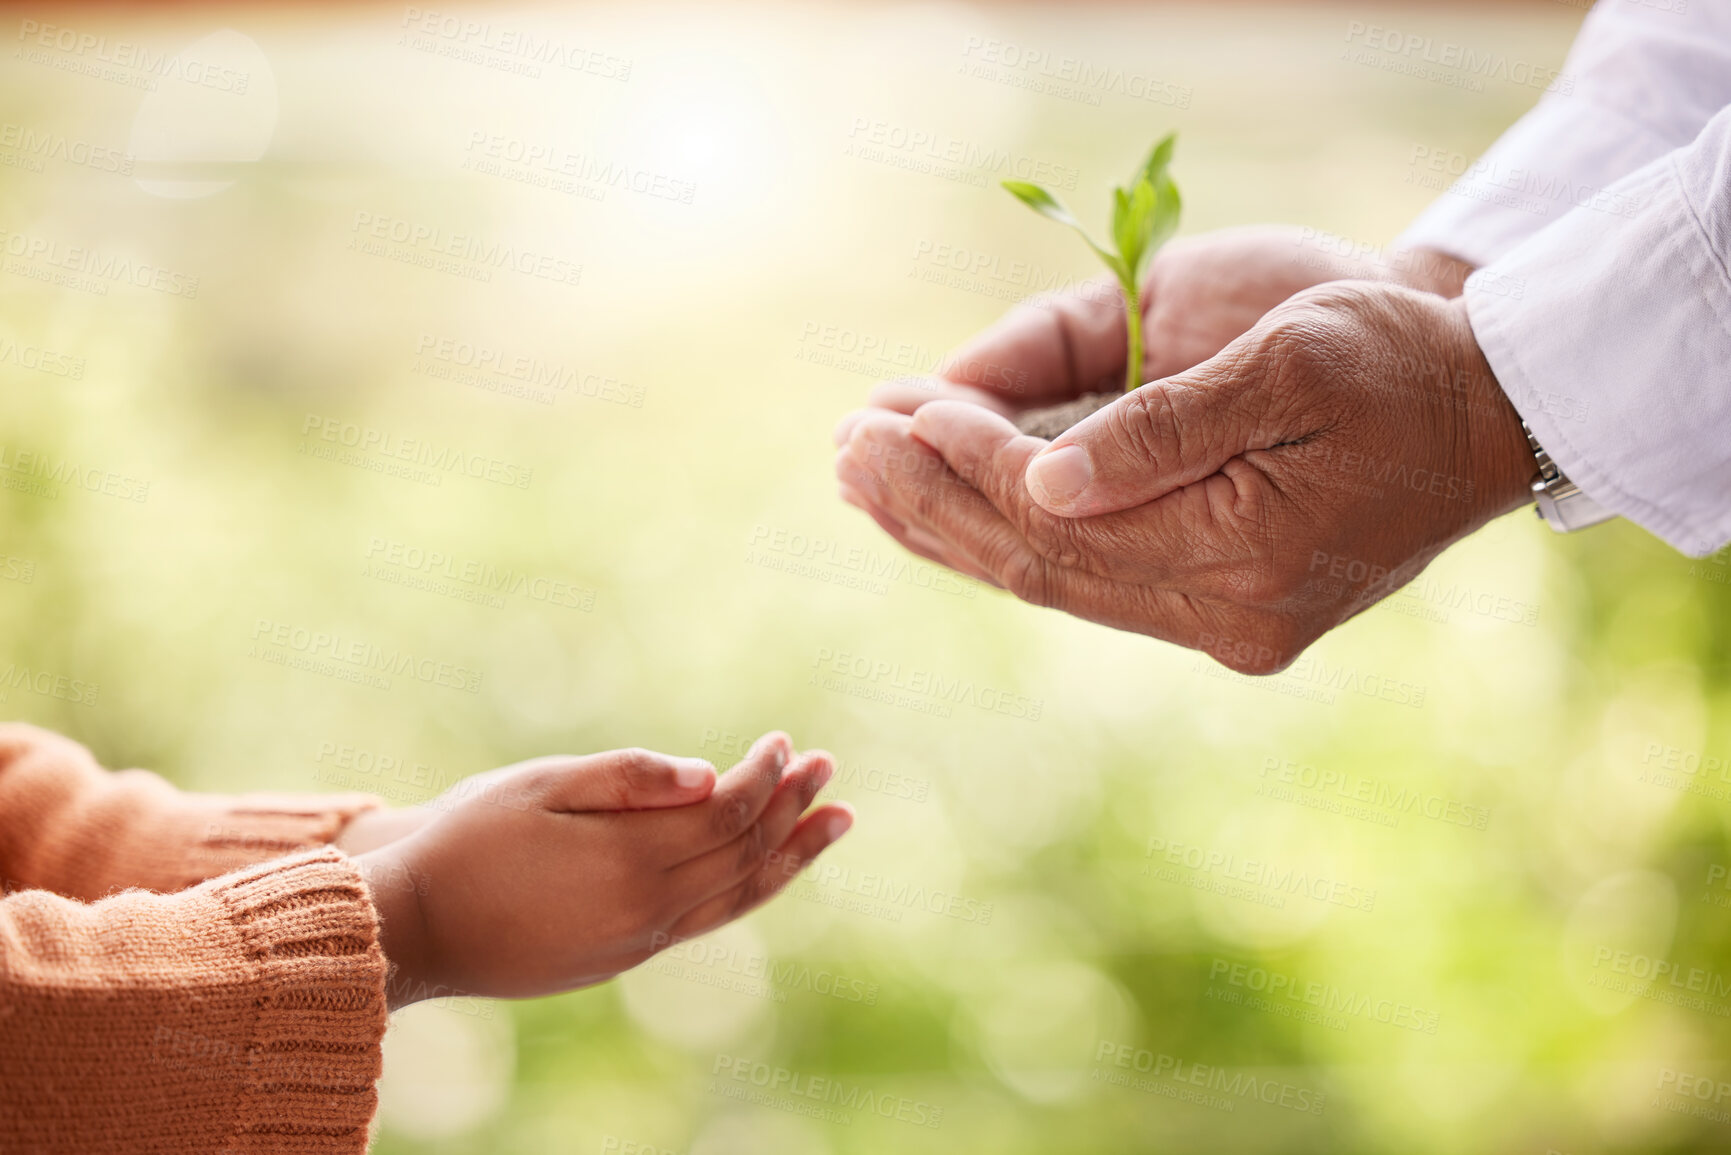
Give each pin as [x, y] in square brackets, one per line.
[606, 299]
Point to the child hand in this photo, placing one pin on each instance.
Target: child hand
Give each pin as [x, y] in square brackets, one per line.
[371, 829]
[561, 872]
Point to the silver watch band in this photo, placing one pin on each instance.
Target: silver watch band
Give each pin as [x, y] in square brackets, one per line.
[1560, 501]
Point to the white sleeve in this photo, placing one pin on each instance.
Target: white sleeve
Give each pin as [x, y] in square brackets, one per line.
[1611, 335]
[1642, 79]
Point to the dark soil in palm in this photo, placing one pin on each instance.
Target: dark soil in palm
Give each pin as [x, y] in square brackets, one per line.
[1052, 420]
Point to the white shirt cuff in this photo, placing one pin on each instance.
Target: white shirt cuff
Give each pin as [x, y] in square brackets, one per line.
[1611, 335]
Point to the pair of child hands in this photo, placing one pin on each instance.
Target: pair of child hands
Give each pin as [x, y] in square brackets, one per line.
[561, 872]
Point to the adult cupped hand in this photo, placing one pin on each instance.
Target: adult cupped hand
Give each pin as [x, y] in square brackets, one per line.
[1243, 507]
[1200, 294]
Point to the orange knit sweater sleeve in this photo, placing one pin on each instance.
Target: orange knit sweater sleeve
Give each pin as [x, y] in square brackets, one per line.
[240, 1013]
[69, 826]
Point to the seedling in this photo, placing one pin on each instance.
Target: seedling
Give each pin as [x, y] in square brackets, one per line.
[1144, 217]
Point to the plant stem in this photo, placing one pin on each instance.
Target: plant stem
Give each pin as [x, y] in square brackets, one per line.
[1133, 321]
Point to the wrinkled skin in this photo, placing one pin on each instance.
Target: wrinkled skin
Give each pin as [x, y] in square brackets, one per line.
[1243, 505]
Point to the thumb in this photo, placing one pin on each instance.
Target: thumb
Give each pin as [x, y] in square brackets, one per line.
[1153, 440]
[617, 780]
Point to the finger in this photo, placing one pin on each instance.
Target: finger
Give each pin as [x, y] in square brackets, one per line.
[1168, 615]
[817, 831]
[989, 455]
[1060, 571]
[1107, 569]
[738, 802]
[880, 447]
[632, 779]
[1202, 531]
[858, 500]
[914, 540]
[1052, 348]
[932, 548]
[981, 448]
[907, 480]
[907, 394]
[1160, 437]
[814, 834]
[844, 427]
[707, 874]
[799, 788]
[889, 524]
[924, 545]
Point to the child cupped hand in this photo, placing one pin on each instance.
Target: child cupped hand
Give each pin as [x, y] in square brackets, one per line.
[561, 872]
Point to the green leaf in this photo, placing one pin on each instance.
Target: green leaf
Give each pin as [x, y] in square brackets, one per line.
[1144, 216]
[1159, 159]
[1136, 247]
[1049, 206]
[1113, 262]
[1123, 227]
[1164, 214]
[1041, 202]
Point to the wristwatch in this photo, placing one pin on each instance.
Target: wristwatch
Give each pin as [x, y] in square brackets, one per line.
[1560, 501]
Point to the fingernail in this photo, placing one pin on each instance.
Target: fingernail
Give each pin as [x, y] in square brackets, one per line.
[690, 772]
[1058, 476]
[824, 773]
[838, 824]
[779, 742]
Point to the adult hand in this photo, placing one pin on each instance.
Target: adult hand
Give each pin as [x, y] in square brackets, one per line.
[561, 872]
[1201, 293]
[1244, 507]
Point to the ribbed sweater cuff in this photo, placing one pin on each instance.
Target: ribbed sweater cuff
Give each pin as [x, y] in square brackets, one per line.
[319, 1015]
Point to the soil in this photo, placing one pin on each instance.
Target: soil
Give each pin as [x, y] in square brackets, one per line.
[1051, 420]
